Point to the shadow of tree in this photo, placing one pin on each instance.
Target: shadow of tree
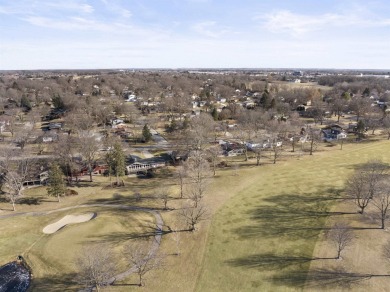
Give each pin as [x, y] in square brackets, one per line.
[149, 231]
[55, 283]
[29, 201]
[292, 215]
[336, 277]
[269, 261]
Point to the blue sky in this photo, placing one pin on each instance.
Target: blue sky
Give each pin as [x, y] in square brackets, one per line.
[77, 34]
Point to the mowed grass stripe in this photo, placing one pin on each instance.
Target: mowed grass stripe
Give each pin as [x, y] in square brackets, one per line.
[270, 228]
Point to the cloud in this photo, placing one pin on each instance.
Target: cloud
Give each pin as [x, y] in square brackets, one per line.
[72, 6]
[72, 23]
[296, 24]
[117, 8]
[209, 29]
[45, 7]
[284, 21]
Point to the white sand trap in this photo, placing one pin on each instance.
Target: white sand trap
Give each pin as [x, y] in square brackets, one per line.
[68, 219]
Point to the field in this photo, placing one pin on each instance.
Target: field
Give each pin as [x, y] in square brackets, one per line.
[265, 227]
[264, 237]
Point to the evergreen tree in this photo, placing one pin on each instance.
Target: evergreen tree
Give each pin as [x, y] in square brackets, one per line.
[360, 128]
[56, 186]
[58, 103]
[214, 114]
[25, 102]
[116, 161]
[366, 92]
[147, 136]
[265, 99]
[346, 95]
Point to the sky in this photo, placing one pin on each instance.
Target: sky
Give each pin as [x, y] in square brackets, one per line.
[98, 34]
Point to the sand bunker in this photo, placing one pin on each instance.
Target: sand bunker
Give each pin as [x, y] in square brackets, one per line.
[68, 219]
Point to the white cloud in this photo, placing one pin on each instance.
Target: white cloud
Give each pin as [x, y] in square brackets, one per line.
[210, 29]
[71, 6]
[117, 8]
[28, 7]
[285, 21]
[72, 23]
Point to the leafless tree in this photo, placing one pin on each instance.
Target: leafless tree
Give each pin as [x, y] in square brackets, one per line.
[341, 236]
[364, 184]
[338, 106]
[360, 106]
[381, 200]
[386, 125]
[192, 216]
[96, 266]
[89, 149]
[65, 151]
[142, 259]
[314, 138]
[198, 175]
[13, 173]
[375, 171]
[213, 154]
[372, 120]
[163, 195]
[200, 131]
[386, 250]
[22, 135]
[357, 189]
[177, 240]
[181, 175]
[79, 120]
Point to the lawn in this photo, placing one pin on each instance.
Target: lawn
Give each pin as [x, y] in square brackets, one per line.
[53, 257]
[264, 223]
[265, 235]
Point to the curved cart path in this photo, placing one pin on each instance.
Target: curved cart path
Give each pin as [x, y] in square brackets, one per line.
[153, 248]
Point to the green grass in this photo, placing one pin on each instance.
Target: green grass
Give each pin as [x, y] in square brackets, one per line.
[263, 238]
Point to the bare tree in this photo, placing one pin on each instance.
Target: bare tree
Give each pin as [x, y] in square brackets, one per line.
[65, 150]
[181, 175]
[14, 172]
[89, 149]
[213, 155]
[200, 131]
[195, 192]
[96, 266]
[199, 175]
[142, 259]
[276, 148]
[22, 135]
[360, 106]
[364, 184]
[192, 216]
[381, 200]
[386, 250]
[338, 106]
[177, 240]
[386, 125]
[375, 171]
[163, 195]
[372, 120]
[314, 138]
[341, 236]
[357, 189]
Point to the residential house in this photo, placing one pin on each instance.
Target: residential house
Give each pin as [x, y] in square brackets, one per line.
[333, 132]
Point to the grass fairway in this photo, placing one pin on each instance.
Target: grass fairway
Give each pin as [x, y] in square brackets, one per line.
[52, 256]
[267, 232]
